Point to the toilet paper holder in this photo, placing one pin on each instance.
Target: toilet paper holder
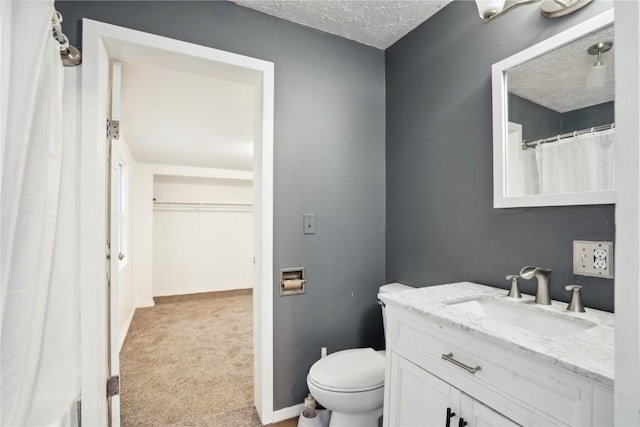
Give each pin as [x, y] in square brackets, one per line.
[292, 281]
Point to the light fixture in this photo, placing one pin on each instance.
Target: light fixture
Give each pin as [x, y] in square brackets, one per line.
[598, 73]
[490, 9]
[487, 9]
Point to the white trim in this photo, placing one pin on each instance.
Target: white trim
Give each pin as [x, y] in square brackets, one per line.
[500, 119]
[171, 170]
[93, 355]
[124, 333]
[96, 36]
[146, 304]
[287, 413]
[199, 291]
[627, 220]
[560, 199]
[264, 397]
[123, 167]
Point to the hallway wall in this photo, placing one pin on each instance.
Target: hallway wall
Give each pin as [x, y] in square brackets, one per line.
[202, 249]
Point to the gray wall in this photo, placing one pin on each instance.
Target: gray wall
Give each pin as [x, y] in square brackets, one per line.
[537, 121]
[441, 226]
[541, 122]
[596, 115]
[329, 160]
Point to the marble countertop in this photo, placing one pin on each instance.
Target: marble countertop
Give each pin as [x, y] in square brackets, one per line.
[588, 353]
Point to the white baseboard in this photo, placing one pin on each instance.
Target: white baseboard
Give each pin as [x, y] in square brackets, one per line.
[146, 304]
[123, 333]
[198, 291]
[286, 413]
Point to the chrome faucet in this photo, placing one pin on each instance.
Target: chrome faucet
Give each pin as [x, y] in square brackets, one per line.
[543, 275]
[576, 298]
[515, 290]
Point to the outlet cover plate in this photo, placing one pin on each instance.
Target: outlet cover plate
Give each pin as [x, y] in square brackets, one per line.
[593, 259]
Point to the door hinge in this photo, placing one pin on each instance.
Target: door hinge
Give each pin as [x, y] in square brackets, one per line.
[113, 129]
[113, 385]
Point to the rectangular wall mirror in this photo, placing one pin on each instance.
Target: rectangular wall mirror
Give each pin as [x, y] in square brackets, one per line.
[554, 121]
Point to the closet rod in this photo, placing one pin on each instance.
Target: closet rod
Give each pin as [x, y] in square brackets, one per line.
[202, 204]
[535, 143]
[201, 207]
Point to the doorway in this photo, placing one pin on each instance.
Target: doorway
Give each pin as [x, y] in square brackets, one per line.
[103, 44]
[183, 131]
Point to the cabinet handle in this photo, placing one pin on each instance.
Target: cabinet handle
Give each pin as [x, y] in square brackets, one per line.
[462, 422]
[449, 358]
[450, 414]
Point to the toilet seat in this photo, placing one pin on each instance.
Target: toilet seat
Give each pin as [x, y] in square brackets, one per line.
[349, 371]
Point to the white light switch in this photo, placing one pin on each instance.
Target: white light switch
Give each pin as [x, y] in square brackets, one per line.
[309, 223]
[593, 258]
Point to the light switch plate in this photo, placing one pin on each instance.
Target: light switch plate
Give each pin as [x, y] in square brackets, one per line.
[593, 259]
[309, 223]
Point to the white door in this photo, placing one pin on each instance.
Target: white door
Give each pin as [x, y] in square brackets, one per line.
[115, 200]
[418, 398]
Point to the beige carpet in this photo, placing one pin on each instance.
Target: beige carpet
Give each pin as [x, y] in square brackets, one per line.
[188, 361]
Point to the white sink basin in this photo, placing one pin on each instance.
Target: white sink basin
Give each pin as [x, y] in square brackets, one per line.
[523, 316]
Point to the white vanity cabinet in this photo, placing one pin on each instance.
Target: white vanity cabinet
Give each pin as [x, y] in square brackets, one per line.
[509, 388]
[418, 398]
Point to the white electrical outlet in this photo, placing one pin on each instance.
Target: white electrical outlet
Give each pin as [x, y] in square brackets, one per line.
[593, 258]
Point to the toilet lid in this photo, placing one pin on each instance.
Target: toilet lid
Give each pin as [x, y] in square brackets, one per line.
[356, 369]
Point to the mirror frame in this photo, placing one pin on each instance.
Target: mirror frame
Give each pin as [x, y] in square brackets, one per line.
[501, 120]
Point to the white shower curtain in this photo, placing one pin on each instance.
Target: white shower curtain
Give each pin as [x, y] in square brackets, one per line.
[582, 163]
[37, 256]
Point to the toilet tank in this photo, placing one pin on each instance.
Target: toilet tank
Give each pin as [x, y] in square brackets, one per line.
[390, 287]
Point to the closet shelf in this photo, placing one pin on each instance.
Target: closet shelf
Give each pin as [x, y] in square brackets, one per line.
[201, 207]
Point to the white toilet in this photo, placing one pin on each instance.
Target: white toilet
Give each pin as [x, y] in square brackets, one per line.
[350, 383]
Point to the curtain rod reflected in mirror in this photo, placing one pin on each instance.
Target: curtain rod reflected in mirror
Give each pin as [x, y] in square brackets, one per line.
[532, 144]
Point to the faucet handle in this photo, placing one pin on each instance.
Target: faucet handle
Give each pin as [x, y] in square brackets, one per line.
[514, 292]
[576, 298]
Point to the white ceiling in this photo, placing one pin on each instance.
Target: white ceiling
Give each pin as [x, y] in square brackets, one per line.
[178, 118]
[205, 118]
[378, 23]
[557, 80]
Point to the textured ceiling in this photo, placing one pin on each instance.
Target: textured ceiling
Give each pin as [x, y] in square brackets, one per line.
[557, 80]
[178, 118]
[374, 23]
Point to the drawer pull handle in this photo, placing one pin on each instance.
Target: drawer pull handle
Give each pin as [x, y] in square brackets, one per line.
[450, 414]
[449, 358]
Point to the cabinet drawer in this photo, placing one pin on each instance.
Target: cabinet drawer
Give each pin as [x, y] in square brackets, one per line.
[523, 389]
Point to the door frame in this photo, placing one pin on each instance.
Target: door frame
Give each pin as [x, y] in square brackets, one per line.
[627, 215]
[101, 44]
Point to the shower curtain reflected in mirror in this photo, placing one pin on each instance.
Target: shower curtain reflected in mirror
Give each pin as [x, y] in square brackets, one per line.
[582, 163]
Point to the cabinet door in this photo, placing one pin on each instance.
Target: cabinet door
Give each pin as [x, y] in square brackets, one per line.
[478, 415]
[418, 398]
